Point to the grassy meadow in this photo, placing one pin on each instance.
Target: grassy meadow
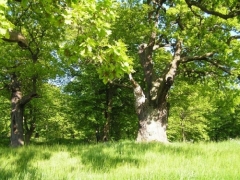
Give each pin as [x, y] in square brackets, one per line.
[122, 160]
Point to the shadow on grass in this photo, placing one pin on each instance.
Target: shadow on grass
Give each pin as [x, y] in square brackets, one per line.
[101, 157]
[58, 141]
[18, 162]
[105, 157]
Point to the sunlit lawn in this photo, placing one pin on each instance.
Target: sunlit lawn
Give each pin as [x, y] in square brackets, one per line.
[122, 160]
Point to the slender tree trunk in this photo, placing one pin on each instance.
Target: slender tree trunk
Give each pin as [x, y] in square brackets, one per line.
[182, 117]
[29, 125]
[29, 132]
[108, 112]
[28, 136]
[182, 130]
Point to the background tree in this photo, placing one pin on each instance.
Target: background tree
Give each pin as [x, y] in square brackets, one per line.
[24, 62]
[190, 102]
[52, 113]
[4, 122]
[105, 108]
[203, 110]
[224, 120]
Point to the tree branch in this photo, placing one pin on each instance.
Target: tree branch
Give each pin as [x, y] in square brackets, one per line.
[194, 58]
[121, 85]
[145, 55]
[206, 57]
[231, 38]
[231, 14]
[179, 22]
[158, 45]
[134, 83]
[28, 98]
[140, 99]
[219, 66]
[174, 64]
[161, 86]
[17, 37]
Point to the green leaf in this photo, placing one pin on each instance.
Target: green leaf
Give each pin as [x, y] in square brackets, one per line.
[24, 3]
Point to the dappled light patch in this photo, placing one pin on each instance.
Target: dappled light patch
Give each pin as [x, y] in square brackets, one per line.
[59, 161]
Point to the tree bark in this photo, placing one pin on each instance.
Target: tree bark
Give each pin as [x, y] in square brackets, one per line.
[153, 126]
[17, 100]
[16, 114]
[17, 37]
[151, 106]
[108, 112]
[152, 118]
[17, 111]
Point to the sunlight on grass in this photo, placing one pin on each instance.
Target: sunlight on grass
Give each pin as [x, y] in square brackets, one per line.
[60, 162]
[122, 160]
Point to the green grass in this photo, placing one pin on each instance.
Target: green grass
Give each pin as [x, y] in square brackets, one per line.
[122, 160]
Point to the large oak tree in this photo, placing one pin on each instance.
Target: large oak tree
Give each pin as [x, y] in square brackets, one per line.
[173, 37]
[161, 38]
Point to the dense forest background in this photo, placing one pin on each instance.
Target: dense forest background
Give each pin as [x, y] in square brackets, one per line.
[71, 60]
[78, 109]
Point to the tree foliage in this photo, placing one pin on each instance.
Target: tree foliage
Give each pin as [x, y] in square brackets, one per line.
[179, 52]
[95, 106]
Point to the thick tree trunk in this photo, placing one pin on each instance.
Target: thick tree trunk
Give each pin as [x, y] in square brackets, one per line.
[17, 138]
[151, 106]
[17, 111]
[152, 117]
[17, 100]
[17, 126]
[153, 125]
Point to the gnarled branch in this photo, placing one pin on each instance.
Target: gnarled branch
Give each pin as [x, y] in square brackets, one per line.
[231, 38]
[120, 85]
[17, 37]
[194, 58]
[174, 64]
[231, 14]
[139, 95]
[206, 57]
[27, 98]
